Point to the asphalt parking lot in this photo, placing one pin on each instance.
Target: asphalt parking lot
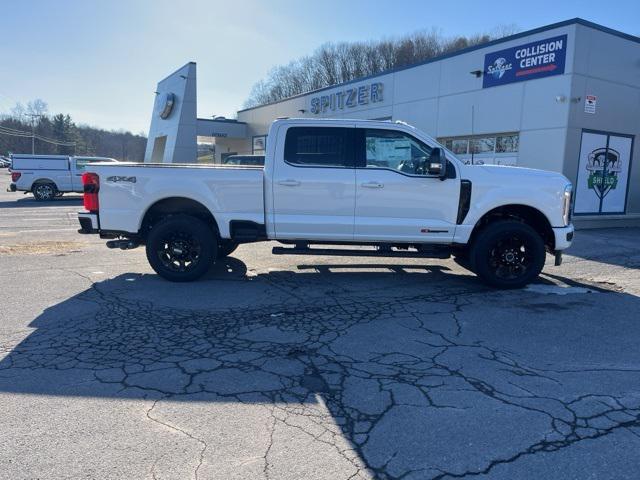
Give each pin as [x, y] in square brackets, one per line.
[311, 367]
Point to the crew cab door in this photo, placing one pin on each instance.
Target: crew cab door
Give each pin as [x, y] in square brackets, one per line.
[314, 183]
[395, 199]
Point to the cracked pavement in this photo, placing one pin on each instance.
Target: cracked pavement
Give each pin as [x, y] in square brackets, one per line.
[315, 367]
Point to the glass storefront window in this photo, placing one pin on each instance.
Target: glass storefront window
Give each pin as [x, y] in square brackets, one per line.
[504, 143]
[459, 146]
[507, 143]
[206, 149]
[482, 145]
[259, 145]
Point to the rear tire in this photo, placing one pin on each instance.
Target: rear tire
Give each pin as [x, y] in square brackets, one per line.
[181, 248]
[226, 248]
[507, 254]
[44, 191]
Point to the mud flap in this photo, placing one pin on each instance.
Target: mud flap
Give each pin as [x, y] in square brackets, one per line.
[558, 260]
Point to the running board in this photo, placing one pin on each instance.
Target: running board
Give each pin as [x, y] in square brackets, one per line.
[432, 252]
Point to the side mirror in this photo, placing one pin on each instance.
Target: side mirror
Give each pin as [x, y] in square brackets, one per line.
[437, 163]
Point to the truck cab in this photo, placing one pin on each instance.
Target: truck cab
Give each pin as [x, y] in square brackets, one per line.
[359, 182]
[348, 182]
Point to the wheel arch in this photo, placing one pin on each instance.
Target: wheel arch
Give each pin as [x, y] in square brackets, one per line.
[176, 205]
[527, 214]
[44, 180]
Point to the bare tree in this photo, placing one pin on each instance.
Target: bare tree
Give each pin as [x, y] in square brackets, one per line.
[334, 63]
[18, 111]
[37, 107]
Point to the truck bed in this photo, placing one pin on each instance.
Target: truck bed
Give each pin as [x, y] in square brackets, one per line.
[229, 192]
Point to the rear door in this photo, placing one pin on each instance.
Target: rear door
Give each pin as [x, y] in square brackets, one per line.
[314, 183]
[395, 199]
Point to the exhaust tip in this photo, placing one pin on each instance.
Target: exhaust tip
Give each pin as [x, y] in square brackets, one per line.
[122, 244]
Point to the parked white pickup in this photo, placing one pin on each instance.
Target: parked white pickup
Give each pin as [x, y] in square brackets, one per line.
[348, 182]
[49, 176]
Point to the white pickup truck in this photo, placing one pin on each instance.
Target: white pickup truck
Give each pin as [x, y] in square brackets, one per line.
[345, 183]
[49, 176]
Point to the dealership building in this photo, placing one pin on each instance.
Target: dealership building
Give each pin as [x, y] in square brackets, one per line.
[564, 97]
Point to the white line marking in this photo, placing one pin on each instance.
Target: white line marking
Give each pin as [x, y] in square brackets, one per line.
[557, 289]
[45, 230]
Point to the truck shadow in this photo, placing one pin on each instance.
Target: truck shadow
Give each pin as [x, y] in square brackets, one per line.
[404, 366]
[30, 202]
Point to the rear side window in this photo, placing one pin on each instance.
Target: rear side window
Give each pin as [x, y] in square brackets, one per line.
[319, 146]
[81, 163]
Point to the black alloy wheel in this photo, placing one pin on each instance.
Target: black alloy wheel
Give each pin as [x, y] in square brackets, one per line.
[508, 254]
[179, 251]
[511, 257]
[181, 248]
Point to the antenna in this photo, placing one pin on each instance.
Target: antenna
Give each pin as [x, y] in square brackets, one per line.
[471, 140]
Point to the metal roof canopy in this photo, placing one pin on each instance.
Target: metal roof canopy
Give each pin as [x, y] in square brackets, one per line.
[221, 128]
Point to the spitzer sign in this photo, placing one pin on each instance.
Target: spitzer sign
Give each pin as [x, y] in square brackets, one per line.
[525, 62]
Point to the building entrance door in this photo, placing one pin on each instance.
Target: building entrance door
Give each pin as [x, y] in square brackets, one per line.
[603, 173]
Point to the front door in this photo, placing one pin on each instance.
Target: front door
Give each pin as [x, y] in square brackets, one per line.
[395, 199]
[314, 187]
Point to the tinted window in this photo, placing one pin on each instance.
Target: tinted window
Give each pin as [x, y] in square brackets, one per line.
[396, 150]
[81, 163]
[321, 146]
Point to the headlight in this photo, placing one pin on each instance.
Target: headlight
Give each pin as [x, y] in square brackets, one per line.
[566, 205]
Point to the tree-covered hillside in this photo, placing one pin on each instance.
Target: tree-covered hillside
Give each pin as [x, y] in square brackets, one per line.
[32, 125]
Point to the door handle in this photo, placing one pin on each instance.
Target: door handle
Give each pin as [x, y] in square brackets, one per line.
[289, 183]
[373, 185]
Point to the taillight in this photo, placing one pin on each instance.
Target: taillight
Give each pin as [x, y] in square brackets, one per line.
[91, 187]
[15, 176]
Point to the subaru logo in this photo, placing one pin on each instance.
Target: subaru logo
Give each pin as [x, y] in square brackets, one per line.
[498, 68]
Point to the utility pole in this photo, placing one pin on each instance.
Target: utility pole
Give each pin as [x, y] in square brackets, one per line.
[33, 130]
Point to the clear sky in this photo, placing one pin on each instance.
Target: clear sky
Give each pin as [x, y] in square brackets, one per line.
[100, 61]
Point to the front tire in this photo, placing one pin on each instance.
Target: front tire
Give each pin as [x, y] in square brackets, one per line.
[181, 248]
[44, 191]
[508, 254]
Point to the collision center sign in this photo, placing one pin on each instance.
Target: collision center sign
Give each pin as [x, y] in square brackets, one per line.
[525, 62]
